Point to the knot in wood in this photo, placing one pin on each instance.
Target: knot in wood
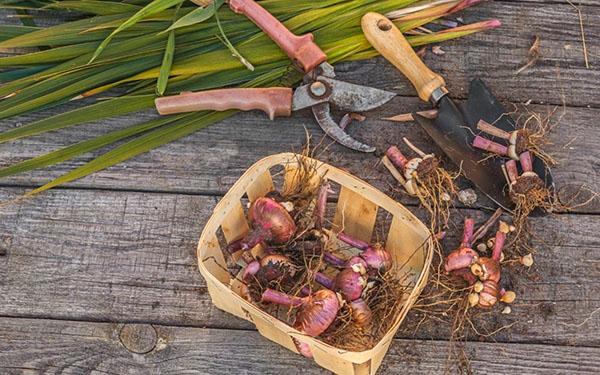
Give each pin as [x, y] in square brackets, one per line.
[138, 338]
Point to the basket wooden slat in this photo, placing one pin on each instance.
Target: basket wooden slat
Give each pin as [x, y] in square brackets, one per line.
[408, 241]
[355, 215]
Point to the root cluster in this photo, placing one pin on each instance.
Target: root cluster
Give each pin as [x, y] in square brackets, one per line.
[385, 293]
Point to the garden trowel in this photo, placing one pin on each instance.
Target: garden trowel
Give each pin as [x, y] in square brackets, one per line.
[455, 126]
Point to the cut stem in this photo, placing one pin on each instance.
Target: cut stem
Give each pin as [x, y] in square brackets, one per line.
[396, 157]
[324, 280]
[467, 238]
[273, 296]
[393, 170]
[526, 161]
[359, 244]
[490, 129]
[413, 147]
[321, 204]
[511, 171]
[333, 259]
[491, 146]
[498, 245]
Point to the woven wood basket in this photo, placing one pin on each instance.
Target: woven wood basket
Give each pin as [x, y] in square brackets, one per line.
[360, 207]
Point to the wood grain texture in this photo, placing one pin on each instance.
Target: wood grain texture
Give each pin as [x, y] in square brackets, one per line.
[82, 263]
[211, 160]
[130, 257]
[49, 346]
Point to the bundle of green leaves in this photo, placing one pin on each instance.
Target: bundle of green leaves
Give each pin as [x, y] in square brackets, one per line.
[139, 49]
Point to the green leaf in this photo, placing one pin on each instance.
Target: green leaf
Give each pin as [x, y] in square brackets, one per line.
[165, 68]
[98, 7]
[152, 8]
[94, 112]
[11, 31]
[47, 56]
[223, 38]
[63, 34]
[80, 148]
[157, 137]
[196, 16]
[25, 18]
[11, 75]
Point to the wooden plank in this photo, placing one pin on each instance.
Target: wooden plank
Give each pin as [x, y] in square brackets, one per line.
[39, 345]
[127, 256]
[496, 55]
[210, 161]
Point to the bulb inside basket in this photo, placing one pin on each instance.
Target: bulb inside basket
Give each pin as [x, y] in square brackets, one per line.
[302, 241]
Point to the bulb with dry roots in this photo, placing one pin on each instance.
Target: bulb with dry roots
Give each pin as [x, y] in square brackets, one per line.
[272, 267]
[376, 257]
[519, 140]
[271, 223]
[527, 190]
[483, 273]
[315, 312]
[459, 260]
[347, 282]
[350, 284]
[423, 177]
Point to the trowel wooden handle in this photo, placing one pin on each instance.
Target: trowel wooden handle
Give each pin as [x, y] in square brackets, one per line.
[301, 49]
[275, 101]
[385, 37]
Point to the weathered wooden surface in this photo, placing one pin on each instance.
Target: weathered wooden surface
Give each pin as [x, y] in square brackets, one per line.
[210, 161]
[51, 346]
[126, 256]
[118, 247]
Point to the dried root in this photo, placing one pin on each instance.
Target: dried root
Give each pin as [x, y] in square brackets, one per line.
[298, 266]
[424, 178]
[529, 193]
[463, 288]
[531, 135]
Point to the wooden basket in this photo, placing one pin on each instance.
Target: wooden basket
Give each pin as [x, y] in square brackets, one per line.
[408, 240]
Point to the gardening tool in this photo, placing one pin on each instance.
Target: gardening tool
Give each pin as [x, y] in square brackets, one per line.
[319, 91]
[455, 126]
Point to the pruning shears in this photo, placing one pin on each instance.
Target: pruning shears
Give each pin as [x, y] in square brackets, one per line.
[319, 90]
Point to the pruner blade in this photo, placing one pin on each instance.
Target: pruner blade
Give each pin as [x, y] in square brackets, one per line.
[323, 91]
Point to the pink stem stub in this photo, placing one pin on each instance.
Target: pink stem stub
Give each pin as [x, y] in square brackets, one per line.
[321, 204]
[511, 170]
[324, 280]
[359, 244]
[333, 259]
[491, 146]
[396, 157]
[273, 296]
[526, 161]
[498, 245]
[468, 232]
[490, 129]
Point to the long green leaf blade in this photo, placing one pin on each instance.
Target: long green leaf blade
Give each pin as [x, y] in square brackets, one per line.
[94, 112]
[101, 8]
[81, 148]
[165, 68]
[138, 146]
[152, 8]
[196, 16]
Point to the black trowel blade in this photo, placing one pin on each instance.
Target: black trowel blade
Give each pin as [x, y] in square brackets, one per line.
[483, 105]
[451, 133]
